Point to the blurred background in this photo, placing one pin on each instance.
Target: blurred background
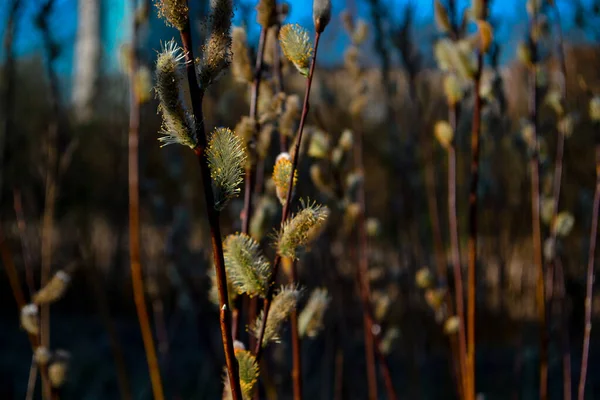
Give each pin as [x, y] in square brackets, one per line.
[65, 102]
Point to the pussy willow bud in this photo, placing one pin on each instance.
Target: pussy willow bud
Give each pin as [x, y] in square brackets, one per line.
[226, 159]
[247, 268]
[321, 14]
[563, 224]
[296, 46]
[30, 319]
[58, 368]
[248, 372]
[283, 303]
[310, 320]
[423, 278]
[240, 66]
[346, 140]
[54, 289]
[175, 12]
[319, 145]
[281, 176]
[42, 356]
[452, 325]
[302, 229]
[389, 338]
[444, 133]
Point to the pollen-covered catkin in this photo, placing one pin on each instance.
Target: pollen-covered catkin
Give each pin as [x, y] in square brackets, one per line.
[302, 229]
[281, 176]
[296, 46]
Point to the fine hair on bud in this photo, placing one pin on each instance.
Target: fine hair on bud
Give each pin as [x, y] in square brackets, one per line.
[175, 12]
[247, 268]
[321, 14]
[301, 229]
[30, 319]
[54, 289]
[281, 176]
[240, 66]
[310, 320]
[216, 52]
[178, 125]
[283, 304]
[226, 159]
[296, 46]
[249, 372]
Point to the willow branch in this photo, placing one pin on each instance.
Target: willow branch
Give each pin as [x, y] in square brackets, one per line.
[287, 206]
[213, 216]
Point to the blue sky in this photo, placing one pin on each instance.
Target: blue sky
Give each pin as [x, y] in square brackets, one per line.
[116, 27]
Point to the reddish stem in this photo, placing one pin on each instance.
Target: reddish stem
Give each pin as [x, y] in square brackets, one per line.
[590, 280]
[213, 216]
[286, 207]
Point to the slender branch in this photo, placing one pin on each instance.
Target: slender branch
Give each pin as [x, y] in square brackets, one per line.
[29, 275]
[33, 370]
[564, 332]
[456, 266]
[287, 206]
[363, 280]
[472, 242]
[134, 220]
[590, 279]
[535, 212]
[15, 286]
[213, 215]
[558, 172]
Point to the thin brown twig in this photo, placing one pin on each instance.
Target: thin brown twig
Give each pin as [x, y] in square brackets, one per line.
[33, 370]
[134, 221]
[472, 242]
[455, 245]
[558, 172]
[564, 332]
[15, 285]
[590, 279]
[22, 227]
[287, 206]
[213, 215]
[535, 212]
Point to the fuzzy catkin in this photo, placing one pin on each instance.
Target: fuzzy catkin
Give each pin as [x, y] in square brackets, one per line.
[226, 159]
[175, 12]
[247, 268]
[296, 46]
[178, 126]
[283, 304]
[302, 229]
[216, 54]
[310, 320]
